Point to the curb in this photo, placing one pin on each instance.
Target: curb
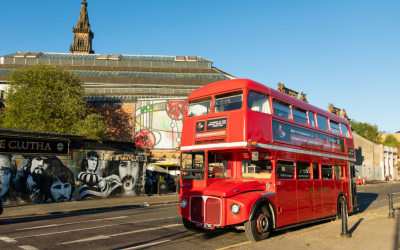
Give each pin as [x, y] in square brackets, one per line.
[55, 213]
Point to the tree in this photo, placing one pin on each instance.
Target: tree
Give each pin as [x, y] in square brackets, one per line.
[391, 141]
[93, 127]
[44, 98]
[366, 130]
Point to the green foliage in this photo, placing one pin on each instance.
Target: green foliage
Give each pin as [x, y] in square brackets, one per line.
[160, 179]
[164, 156]
[366, 130]
[391, 141]
[92, 127]
[44, 98]
[173, 156]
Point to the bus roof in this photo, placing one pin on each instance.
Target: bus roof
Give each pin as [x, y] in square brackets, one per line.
[233, 84]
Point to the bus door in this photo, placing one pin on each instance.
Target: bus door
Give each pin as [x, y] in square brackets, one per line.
[219, 166]
[353, 187]
[304, 191]
[317, 192]
[286, 193]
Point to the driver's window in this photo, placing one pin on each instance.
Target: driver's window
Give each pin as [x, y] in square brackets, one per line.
[219, 166]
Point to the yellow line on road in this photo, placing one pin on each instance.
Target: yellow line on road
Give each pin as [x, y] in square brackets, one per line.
[247, 242]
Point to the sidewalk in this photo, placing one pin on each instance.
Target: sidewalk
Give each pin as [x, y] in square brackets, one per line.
[81, 206]
[369, 230]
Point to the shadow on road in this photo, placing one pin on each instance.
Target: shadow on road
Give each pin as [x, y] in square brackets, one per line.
[364, 200]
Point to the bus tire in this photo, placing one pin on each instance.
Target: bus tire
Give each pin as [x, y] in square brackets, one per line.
[339, 207]
[190, 226]
[260, 227]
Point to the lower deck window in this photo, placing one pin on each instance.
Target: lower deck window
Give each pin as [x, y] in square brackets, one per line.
[338, 172]
[285, 169]
[256, 169]
[326, 172]
[192, 175]
[303, 170]
[219, 166]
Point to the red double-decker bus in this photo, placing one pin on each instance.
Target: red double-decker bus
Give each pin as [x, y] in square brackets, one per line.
[252, 155]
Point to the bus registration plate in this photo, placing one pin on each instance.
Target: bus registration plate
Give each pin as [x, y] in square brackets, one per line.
[206, 225]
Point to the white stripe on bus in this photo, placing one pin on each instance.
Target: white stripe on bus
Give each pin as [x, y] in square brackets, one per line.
[261, 145]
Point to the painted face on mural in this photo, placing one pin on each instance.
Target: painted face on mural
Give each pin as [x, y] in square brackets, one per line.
[92, 163]
[5, 175]
[61, 191]
[38, 168]
[127, 173]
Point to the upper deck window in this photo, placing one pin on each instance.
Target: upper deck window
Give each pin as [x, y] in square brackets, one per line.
[322, 122]
[199, 107]
[335, 128]
[300, 115]
[282, 109]
[312, 119]
[258, 102]
[345, 131]
[228, 101]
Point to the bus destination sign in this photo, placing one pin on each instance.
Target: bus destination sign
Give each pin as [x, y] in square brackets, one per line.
[350, 151]
[215, 124]
[306, 138]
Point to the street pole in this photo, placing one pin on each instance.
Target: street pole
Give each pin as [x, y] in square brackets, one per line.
[345, 232]
[391, 210]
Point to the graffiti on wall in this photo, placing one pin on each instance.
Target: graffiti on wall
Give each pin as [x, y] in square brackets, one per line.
[159, 123]
[90, 174]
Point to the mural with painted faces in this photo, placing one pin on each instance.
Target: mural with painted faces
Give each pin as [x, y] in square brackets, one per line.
[61, 191]
[128, 173]
[92, 163]
[5, 174]
[39, 166]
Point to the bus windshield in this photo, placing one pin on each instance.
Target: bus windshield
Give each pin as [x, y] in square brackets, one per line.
[199, 107]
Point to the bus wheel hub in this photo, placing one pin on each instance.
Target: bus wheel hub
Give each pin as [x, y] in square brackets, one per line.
[262, 223]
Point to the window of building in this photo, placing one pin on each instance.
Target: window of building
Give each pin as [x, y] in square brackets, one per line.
[300, 115]
[228, 102]
[338, 172]
[256, 169]
[282, 109]
[326, 172]
[322, 122]
[219, 166]
[199, 107]
[258, 102]
[312, 119]
[345, 131]
[285, 169]
[315, 171]
[335, 128]
[303, 170]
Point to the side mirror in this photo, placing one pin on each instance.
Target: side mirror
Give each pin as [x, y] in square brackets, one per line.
[254, 156]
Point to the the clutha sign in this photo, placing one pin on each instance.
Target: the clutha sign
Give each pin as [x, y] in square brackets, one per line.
[17, 145]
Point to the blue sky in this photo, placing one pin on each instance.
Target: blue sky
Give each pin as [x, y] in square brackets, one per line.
[341, 52]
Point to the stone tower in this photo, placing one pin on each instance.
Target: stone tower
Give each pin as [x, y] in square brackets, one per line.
[82, 34]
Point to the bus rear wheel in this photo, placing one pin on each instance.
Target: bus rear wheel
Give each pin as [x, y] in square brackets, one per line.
[260, 227]
[190, 226]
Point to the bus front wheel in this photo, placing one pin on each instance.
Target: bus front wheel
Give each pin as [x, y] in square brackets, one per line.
[260, 227]
[190, 226]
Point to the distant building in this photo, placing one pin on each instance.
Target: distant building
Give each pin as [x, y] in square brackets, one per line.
[374, 160]
[139, 95]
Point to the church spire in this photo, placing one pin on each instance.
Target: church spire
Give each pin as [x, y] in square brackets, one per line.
[82, 33]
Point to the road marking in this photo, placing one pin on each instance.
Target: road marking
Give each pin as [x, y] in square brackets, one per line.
[9, 240]
[151, 244]
[71, 223]
[88, 228]
[247, 242]
[26, 247]
[100, 237]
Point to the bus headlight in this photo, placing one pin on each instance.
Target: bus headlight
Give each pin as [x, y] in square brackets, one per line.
[183, 203]
[235, 208]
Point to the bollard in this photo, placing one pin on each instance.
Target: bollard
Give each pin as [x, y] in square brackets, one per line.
[391, 210]
[345, 232]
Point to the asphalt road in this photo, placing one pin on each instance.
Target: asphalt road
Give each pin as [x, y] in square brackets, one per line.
[141, 228]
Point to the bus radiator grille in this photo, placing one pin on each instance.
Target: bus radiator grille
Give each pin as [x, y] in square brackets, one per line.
[213, 211]
[196, 209]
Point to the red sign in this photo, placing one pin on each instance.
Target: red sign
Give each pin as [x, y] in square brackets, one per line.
[210, 134]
